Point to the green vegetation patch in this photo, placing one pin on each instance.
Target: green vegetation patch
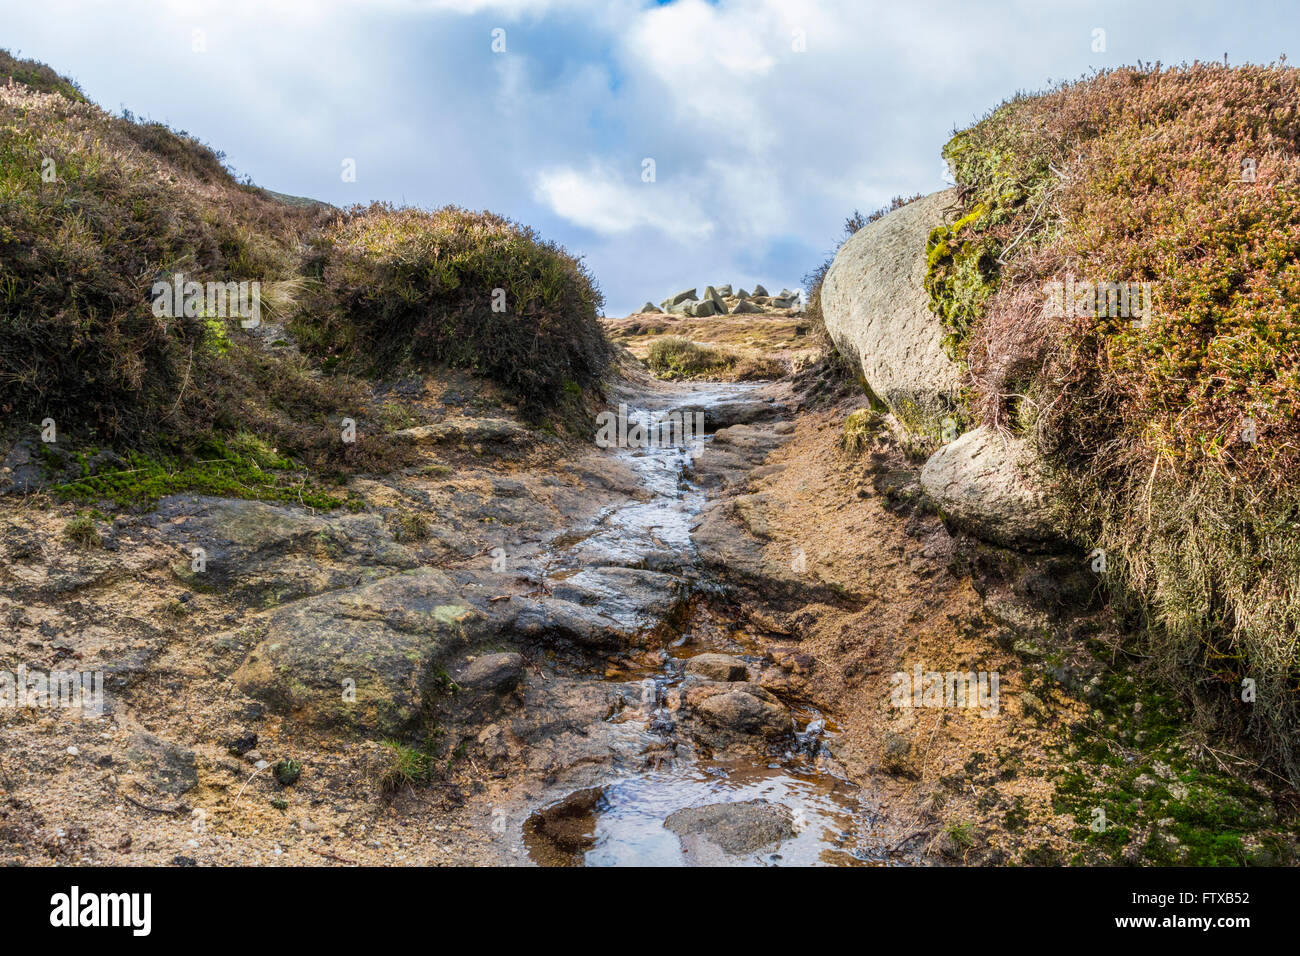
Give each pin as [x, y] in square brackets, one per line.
[676, 357]
[241, 469]
[1140, 793]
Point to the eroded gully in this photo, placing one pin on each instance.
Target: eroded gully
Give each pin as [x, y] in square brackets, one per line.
[688, 784]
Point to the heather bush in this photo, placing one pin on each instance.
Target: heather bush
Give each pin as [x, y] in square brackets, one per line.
[1175, 441]
[458, 288]
[93, 210]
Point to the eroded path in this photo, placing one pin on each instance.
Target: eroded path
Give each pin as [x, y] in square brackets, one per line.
[714, 766]
[514, 653]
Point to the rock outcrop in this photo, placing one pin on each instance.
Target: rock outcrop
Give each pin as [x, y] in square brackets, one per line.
[877, 313]
[721, 300]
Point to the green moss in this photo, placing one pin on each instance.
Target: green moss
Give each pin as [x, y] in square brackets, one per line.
[860, 427]
[1161, 806]
[961, 275]
[242, 468]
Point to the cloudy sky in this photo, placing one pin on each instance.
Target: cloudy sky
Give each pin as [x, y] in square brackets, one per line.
[764, 122]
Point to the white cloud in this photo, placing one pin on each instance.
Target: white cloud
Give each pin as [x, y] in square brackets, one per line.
[600, 200]
[762, 150]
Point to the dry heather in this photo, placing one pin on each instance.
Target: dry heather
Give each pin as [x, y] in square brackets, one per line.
[1176, 439]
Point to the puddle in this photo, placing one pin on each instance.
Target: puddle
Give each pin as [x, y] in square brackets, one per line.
[624, 824]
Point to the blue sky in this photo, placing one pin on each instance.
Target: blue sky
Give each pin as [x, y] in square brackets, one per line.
[768, 122]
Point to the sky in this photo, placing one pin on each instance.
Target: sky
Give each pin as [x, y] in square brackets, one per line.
[669, 144]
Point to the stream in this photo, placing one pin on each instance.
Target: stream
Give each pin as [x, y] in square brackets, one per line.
[622, 820]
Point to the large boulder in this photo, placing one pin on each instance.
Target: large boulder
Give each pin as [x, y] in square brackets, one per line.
[988, 484]
[877, 313]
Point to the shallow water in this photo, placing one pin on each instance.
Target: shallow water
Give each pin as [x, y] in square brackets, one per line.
[625, 823]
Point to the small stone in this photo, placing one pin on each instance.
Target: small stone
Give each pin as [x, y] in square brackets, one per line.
[720, 667]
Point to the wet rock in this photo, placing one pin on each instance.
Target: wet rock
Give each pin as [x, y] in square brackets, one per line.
[564, 706]
[553, 622]
[736, 714]
[717, 667]
[737, 829]
[370, 658]
[270, 554]
[635, 598]
[741, 412]
[809, 739]
[492, 674]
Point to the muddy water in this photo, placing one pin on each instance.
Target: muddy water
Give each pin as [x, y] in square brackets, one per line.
[621, 822]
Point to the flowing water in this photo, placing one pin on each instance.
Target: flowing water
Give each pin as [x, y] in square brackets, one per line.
[622, 821]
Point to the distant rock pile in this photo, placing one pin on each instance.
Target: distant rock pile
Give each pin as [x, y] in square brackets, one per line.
[723, 301]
